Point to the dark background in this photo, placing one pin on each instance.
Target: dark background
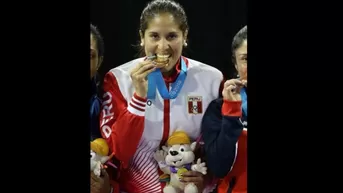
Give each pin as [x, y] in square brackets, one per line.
[213, 24]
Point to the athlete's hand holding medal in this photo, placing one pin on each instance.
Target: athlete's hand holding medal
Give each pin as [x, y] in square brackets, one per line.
[147, 77]
[139, 77]
[232, 88]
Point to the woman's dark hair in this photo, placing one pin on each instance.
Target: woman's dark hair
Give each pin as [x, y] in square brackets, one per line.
[101, 50]
[99, 40]
[237, 41]
[156, 7]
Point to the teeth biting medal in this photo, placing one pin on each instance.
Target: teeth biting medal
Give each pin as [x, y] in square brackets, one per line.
[160, 60]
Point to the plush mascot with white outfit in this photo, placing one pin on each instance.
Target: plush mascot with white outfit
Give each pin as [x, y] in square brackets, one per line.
[176, 159]
[99, 155]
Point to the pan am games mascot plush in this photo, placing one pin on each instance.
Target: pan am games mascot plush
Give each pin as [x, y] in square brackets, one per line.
[99, 155]
[176, 159]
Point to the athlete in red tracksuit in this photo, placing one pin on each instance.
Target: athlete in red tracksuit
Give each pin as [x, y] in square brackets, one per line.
[225, 141]
[134, 125]
[236, 180]
[223, 123]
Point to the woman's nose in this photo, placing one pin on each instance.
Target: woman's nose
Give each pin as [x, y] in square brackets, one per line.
[163, 45]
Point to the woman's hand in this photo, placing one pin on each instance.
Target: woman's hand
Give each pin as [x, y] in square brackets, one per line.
[100, 184]
[232, 88]
[139, 77]
[194, 177]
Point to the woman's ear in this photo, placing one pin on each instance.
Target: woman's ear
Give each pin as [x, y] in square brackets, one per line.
[142, 37]
[233, 60]
[185, 35]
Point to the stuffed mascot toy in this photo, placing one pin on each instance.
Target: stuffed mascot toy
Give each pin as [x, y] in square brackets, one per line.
[176, 159]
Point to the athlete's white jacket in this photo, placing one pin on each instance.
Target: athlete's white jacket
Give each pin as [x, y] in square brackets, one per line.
[135, 127]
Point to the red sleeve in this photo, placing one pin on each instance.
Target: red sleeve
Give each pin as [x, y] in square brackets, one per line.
[121, 124]
[232, 108]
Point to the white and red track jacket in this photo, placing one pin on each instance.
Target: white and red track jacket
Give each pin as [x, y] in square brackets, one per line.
[135, 127]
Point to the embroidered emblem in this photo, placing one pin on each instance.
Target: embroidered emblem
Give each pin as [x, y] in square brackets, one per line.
[194, 104]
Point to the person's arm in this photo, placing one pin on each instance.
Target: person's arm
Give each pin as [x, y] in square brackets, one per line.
[221, 128]
[121, 125]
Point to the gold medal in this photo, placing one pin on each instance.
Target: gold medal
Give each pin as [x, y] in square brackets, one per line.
[181, 171]
[160, 61]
